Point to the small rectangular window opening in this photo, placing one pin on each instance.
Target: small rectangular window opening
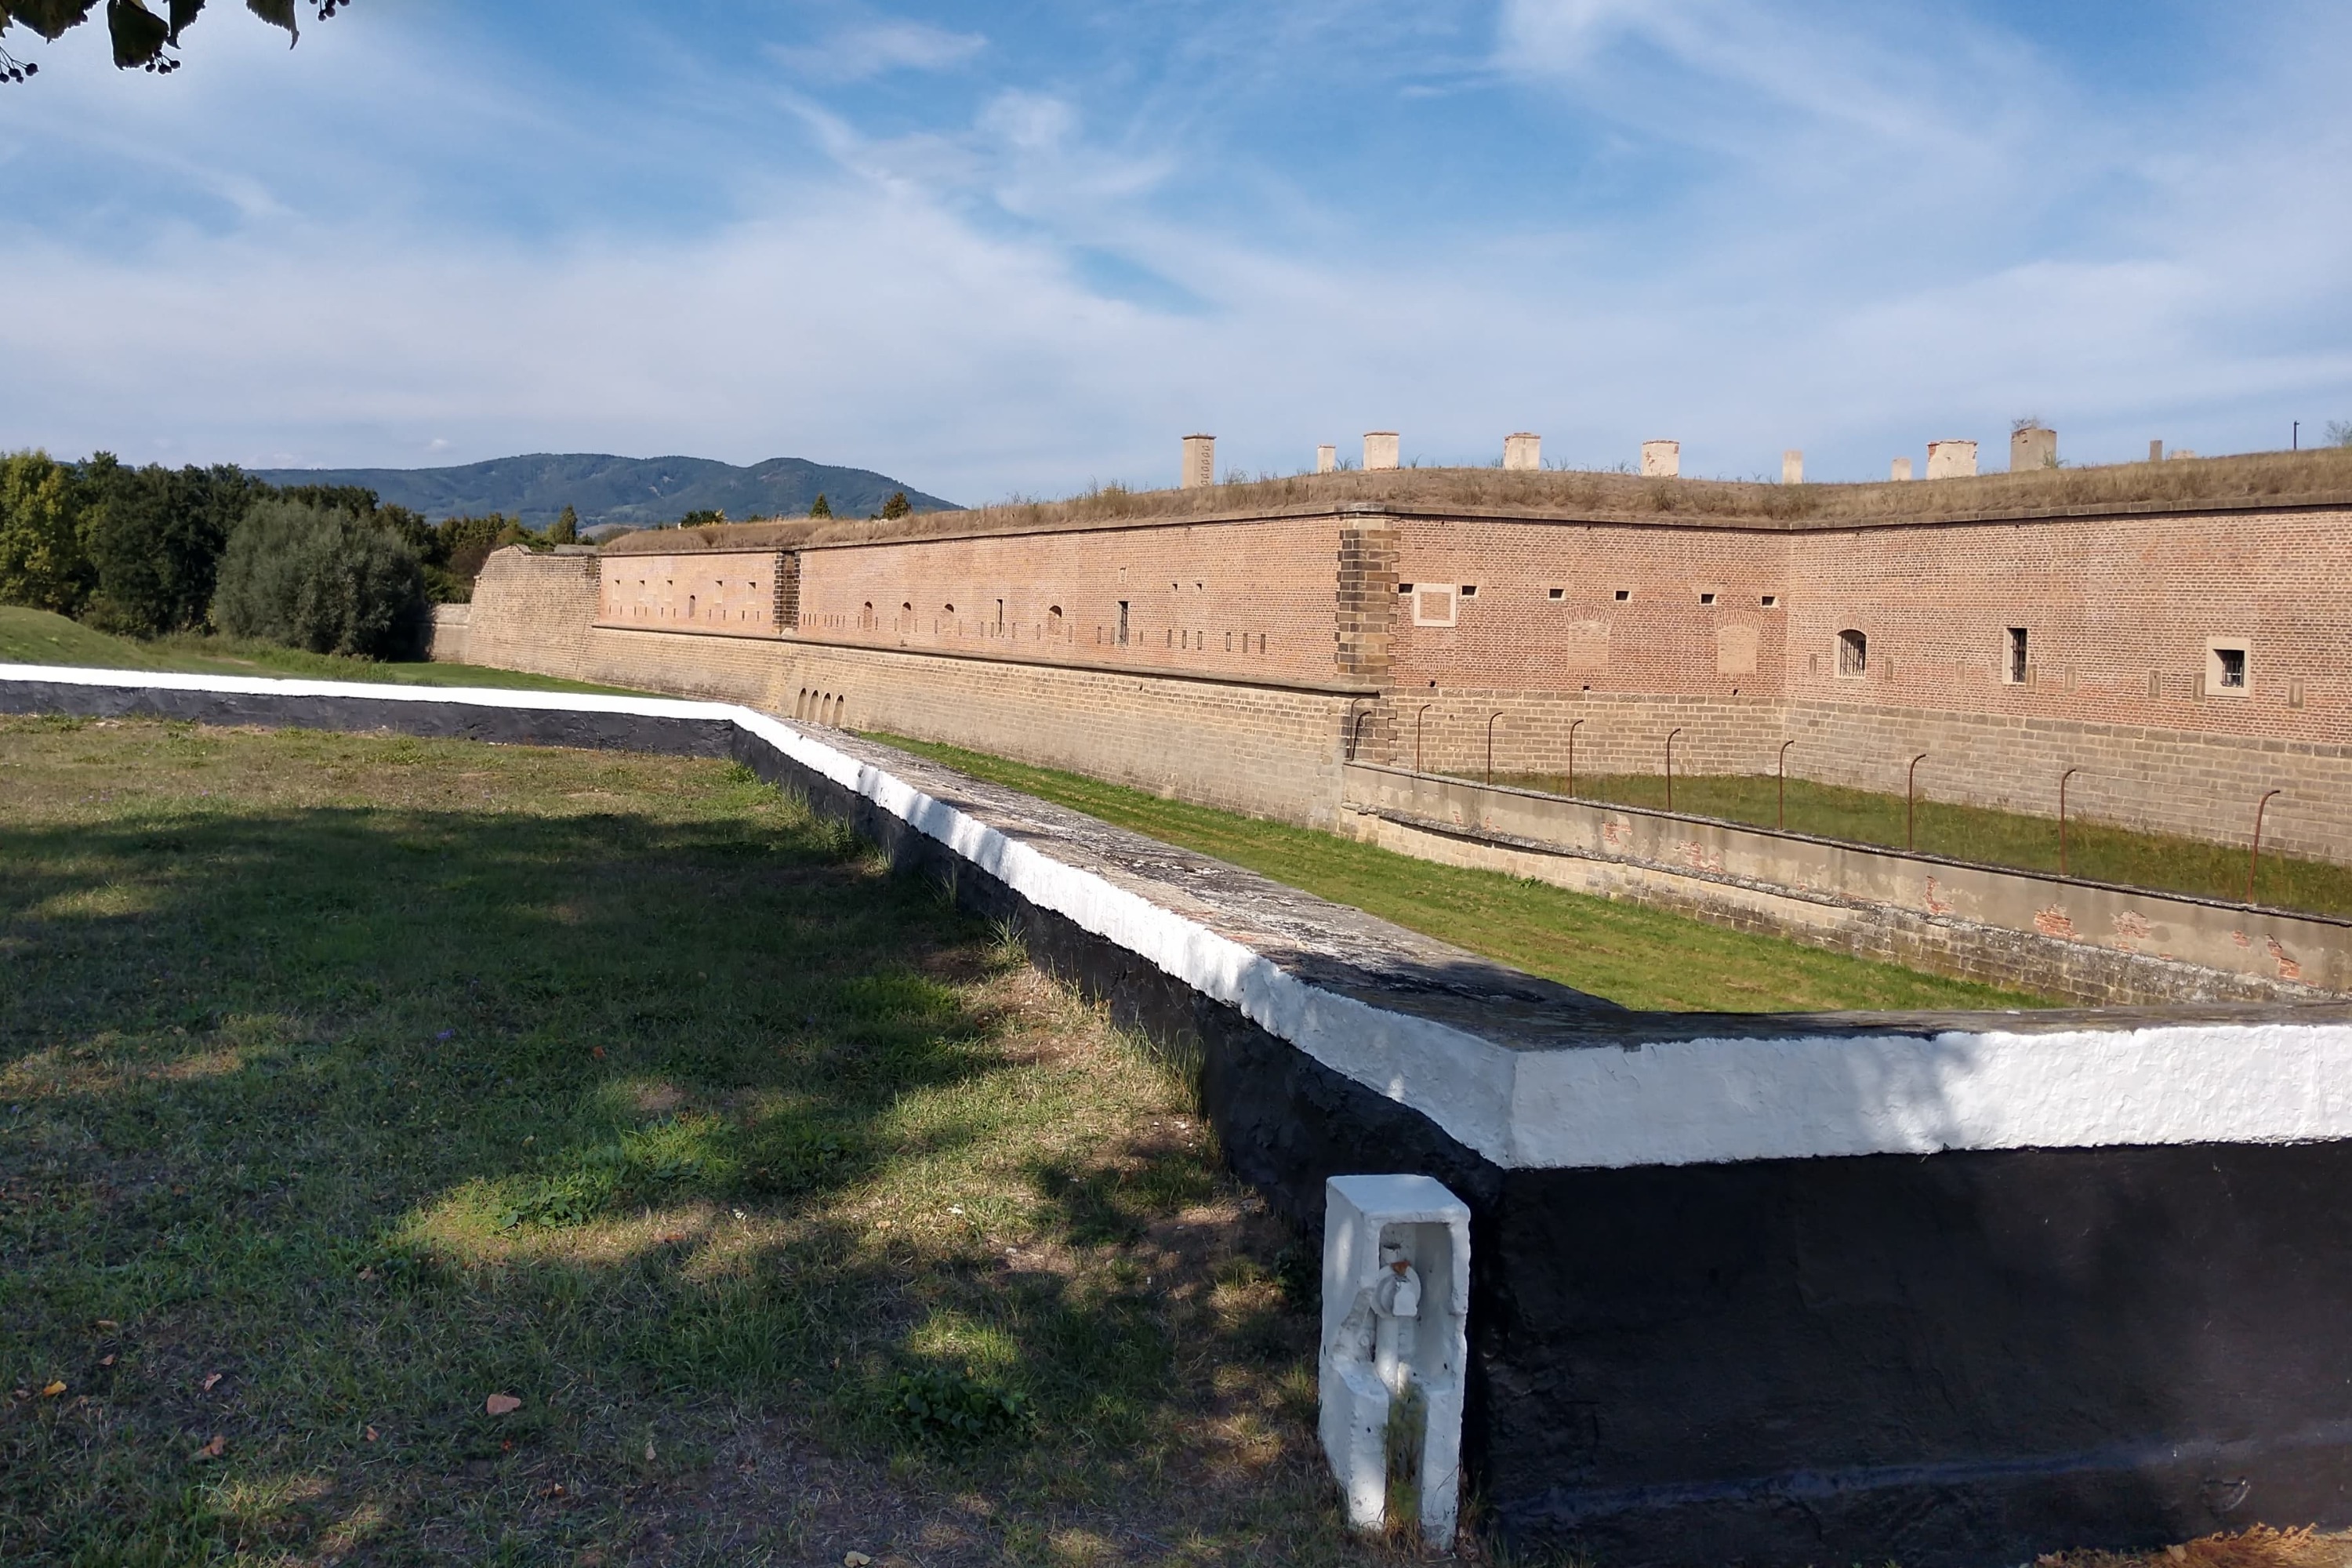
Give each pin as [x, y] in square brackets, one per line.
[1469, 590]
[1404, 587]
[1769, 600]
[1706, 598]
[1122, 622]
[1556, 592]
[2017, 655]
[1624, 594]
[2232, 662]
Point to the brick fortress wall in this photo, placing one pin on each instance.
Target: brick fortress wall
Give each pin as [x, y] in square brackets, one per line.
[1401, 636]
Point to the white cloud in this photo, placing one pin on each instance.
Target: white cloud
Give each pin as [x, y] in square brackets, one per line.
[855, 54]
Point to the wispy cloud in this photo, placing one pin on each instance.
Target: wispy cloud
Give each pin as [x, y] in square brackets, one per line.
[857, 53]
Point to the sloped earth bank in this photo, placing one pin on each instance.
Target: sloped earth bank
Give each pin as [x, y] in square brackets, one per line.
[346, 1082]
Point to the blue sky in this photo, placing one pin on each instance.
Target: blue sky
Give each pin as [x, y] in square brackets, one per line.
[1022, 248]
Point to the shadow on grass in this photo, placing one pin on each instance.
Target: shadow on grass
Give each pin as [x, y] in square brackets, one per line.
[320, 1126]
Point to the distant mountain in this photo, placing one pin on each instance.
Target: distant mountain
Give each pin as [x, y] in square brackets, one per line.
[641, 492]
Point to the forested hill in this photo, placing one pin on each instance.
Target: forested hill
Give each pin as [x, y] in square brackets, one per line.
[639, 491]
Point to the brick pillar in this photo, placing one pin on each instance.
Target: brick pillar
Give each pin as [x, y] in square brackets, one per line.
[788, 591]
[1365, 610]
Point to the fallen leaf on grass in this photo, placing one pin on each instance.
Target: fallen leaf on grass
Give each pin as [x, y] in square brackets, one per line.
[106, 1361]
[53, 1390]
[598, 1052]
[211, 1378]
[213, 1450]
[855, 1560]
[107, 1323]
[371, 1433]
[502, 1404]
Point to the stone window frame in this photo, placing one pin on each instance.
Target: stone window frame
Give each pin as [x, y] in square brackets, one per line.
[2017, 655]
[1852, 654]
[1421, 598]
[2215, 646]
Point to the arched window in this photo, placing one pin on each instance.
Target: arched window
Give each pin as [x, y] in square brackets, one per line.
[1053, 620]
[866, 617]
[1854, 653]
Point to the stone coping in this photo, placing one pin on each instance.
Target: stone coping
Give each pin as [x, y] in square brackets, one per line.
[1528, 1073]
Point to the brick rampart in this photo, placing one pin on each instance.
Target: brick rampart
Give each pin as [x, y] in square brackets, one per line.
[1264, 749]
[1422, 628]
[532, 612]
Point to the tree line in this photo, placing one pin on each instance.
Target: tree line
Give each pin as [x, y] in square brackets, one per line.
[147, 551]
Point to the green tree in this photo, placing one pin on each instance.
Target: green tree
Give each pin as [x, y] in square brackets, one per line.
[565, 530]
[140, 36]
[154, 538]
[323, 579]
[42, 562]
[703, 517]
[898, 506]
[820, 507]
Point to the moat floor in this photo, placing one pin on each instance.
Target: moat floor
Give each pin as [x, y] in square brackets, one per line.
[1636, 957]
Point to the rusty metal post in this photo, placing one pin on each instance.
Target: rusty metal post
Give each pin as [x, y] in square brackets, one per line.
[1417, 735]
[1784, 784]
[1670, 765]
[1911, 798]
[2254, 858]
[1572, 728]
[2068, 774]
[1490, 746]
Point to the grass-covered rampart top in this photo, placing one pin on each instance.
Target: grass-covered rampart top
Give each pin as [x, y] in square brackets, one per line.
[2323, 477]
[348, 1084]
[1624, 953]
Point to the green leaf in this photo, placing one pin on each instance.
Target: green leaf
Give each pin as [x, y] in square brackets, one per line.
[183, 13]
[278, 13]
[50, 19]
[139, 34]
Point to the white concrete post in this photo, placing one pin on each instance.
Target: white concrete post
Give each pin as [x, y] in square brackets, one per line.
[1199, 463]
[1396, 1290]
[1662, 459]
[1379, 450]
[1326, 460]
[1523, 451]
[1792, 466]
[1951, 459]
[1899, 469]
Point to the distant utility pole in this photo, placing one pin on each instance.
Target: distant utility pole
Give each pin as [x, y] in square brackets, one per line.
[2297, 437]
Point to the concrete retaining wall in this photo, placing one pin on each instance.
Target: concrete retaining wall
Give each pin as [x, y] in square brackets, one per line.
[2085, 942]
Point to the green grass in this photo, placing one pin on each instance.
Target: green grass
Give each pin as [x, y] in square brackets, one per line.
[2099, 852]
[37, 637]
[346, 1082]
[1636, 956]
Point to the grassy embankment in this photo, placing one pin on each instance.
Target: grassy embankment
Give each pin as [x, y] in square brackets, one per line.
[1640, 957]
[2097, 851]
[348, 1081]
[37, 637]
